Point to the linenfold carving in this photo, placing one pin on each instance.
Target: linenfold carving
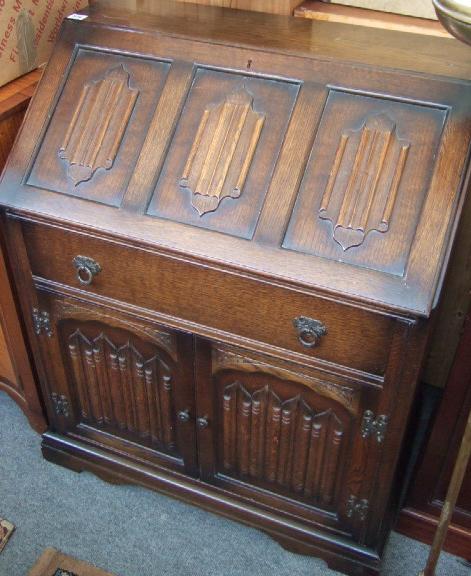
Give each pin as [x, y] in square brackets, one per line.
[222, 151]
[98, 124]
[165, 340]
[362, 188]
[282, 442]
[224, 359]
[119, 387]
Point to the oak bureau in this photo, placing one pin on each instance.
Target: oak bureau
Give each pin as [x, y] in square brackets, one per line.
[228, 232]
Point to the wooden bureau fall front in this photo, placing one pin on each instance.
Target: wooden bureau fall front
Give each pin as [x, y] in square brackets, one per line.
[228, 232]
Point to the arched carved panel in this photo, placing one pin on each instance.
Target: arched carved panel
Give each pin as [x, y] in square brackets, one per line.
[374, 158]
[366, 181]
[98, 123]
[93, 136]
[222, 151]
[122, 388]
[327, 385]
[283, 442]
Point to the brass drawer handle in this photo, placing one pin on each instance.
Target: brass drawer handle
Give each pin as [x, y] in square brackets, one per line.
[87, 268]
[309, 331]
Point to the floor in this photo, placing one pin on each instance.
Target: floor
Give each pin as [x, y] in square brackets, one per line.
[135, 532]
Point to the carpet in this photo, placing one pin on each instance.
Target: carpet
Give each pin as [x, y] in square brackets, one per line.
[6, 530]
[131, 531]
[55, 563]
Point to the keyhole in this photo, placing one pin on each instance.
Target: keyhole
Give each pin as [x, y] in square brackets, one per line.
[249, 64]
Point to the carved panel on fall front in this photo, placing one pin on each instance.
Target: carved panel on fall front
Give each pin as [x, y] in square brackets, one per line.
[224, 150]
[366, 181]
[283, 442]
[98, 124]
[374, 158]
[120, 388]
[95, 132]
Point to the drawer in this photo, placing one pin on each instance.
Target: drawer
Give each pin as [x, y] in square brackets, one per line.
[214, 299]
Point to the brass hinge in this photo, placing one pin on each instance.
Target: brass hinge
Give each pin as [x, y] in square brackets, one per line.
[41, 323]
[357, 507]
[61, 404]
[371, 425]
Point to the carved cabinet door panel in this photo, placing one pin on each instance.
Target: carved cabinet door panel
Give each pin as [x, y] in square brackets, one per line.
[305, 443]
[120, 382]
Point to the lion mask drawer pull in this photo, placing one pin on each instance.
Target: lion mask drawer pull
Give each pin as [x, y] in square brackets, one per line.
[309, 331]
[87, 269]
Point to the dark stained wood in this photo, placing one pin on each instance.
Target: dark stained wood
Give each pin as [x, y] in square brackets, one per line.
[16, 375]
[453, 306]
[292, 534]
[223, 174]
[405, 51]
[94, 121]
[420, 516]
[459, 470]
[260, 311]
[122, 379]
[279, 429]
[360, 158]
[227, 285]
[6, 367]
[413, 292]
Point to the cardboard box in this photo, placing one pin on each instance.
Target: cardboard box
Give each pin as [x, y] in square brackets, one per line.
[28, 29]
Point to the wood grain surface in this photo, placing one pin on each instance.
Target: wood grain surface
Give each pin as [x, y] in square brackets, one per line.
[318, 10]
[227, 287]
[52, 561]
[16, 376]
[271, 6]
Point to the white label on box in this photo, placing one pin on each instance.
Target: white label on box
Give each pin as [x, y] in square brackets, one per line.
[77, 16]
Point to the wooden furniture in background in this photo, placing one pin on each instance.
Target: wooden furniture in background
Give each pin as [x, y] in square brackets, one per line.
[428, 488]
[16, 377]
[272, 6]
[317, 10]
[442, 458]
[458, 475]
[228, 245]
[14, 99]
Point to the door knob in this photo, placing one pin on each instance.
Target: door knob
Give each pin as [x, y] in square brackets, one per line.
[183, 416]
[202, 423]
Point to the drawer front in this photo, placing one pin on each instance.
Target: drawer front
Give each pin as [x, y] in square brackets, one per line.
[226, 302]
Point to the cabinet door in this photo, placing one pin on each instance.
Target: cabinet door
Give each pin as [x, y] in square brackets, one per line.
[290, 438]
[119, 382]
